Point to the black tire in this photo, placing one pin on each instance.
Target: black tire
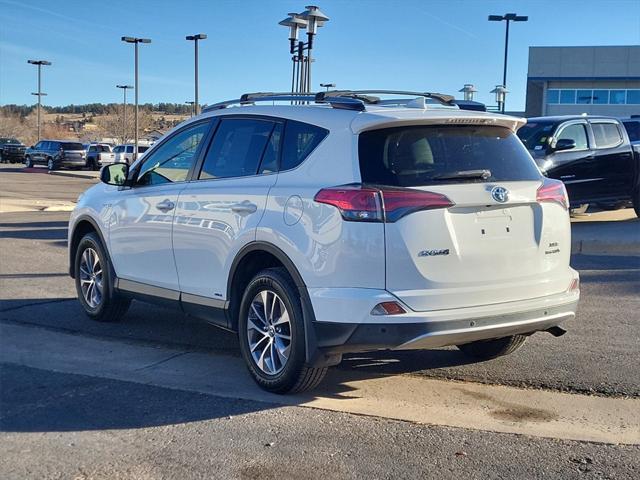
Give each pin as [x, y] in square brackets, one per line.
[112, 306]
[94, 165]
[488, 349]
[28, 163]
[636, 203]
[295, 376]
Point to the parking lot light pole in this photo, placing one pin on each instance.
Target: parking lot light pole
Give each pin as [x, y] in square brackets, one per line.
[508, 17]
[468, 91]
[39, 94]
[315, 18]
[195, 39]
[501, 94]
[124, 111]
[295, 23]
[192, 104]
[135, 42]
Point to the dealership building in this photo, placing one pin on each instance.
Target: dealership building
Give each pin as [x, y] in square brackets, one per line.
[575, 80]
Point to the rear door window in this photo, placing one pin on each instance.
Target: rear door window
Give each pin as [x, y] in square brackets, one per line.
[606, 135]
[237, 148]
[427, 155]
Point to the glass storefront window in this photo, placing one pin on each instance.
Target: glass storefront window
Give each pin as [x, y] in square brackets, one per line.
[553, 96]
[617, 97]
[584, 96]
[633, 97]
[567, 96]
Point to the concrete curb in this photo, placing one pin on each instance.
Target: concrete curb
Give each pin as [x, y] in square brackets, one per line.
[89, 175]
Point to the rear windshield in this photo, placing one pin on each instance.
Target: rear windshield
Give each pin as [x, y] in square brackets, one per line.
[72, 146]
[414, 156]
[536, 134]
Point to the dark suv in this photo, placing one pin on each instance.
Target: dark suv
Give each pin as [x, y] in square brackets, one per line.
[56, 154]
[11, 150]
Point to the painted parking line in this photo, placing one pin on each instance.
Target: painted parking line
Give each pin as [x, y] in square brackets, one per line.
[427, 401]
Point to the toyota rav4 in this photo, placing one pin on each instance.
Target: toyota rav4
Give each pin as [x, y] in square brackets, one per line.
[334, 223]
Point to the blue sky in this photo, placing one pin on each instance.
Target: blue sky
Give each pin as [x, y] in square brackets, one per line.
[413, 45]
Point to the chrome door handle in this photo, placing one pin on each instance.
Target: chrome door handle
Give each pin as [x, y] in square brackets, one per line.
[165, 205]
[244, 207]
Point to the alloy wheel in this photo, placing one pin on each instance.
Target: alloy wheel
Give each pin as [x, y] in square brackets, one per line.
[91, 278]
[269, 332]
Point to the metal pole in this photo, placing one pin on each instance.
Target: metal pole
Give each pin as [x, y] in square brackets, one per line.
[39, 97]
[196, 106]
[124, 117]
[135, 134]
[293, 73]
[506, 50]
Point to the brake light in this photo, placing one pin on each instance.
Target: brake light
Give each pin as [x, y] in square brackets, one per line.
[371, 204]
[553, 191]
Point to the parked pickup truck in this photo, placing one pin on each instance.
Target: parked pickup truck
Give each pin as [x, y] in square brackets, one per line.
[99, 154]
[591, 155]
[11, 150]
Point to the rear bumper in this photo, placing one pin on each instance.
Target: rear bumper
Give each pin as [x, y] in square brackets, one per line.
[72, 162]
[349, 338]
[338, 329]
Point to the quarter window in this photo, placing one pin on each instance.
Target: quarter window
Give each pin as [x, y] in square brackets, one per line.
[577, 133]
[172, 160]
[300, 139]
[237, 148]
[606, 135]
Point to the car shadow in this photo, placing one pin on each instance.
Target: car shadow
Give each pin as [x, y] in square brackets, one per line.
[36, 400]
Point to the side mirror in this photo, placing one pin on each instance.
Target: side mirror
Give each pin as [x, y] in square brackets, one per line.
[115, 174]
[565, 144]
[32, 146]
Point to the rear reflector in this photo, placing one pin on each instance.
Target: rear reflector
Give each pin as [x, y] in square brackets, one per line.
[371, 204]
[553, 191]
[574, 285]
[388, 308]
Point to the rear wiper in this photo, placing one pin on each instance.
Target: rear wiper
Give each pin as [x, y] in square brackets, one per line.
[483, 174]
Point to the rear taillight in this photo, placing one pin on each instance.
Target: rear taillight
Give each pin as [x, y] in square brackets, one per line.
[553, 191]
[371, 204]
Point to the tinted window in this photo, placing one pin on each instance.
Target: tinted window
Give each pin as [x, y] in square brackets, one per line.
[300, 139]
[584, 96]
[600, 97]
[633, 130]
[413, 156]
[575, 132]
[129, 149]
[93, 148]
[237, 148]
[72, 146]
[172, 160]
[567, 96]
[617, 96]
[118, 149]
[606, 134]
[633, 97]
[535, 135]
[141, 149]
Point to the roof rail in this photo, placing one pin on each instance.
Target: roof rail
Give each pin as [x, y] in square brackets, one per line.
[365, 95]
[252, 98]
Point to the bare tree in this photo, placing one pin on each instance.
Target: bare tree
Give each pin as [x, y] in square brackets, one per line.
[111, 124]
[12, 125]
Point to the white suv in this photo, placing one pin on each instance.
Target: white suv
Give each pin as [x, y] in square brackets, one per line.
[336, 223]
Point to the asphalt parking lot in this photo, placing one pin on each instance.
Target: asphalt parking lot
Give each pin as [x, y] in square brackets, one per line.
[93, 421]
